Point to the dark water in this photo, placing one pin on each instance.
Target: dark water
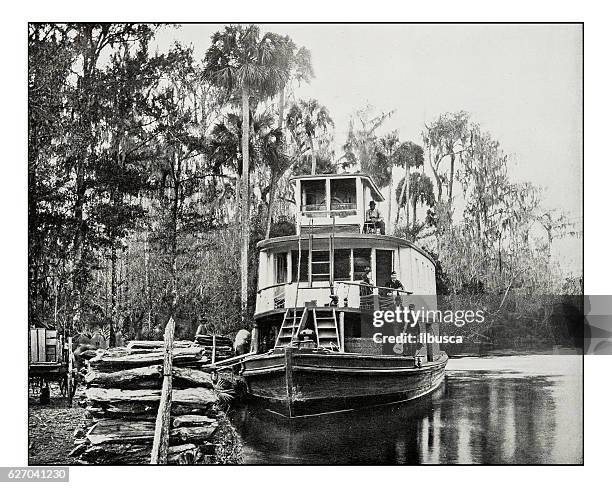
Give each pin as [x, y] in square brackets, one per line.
[489, 410]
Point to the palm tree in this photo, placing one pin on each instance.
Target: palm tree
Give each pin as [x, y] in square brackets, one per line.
[420, 190]
[389, 144]
[224, 149]
[409, 155]
[300, 66]
[265, 146]
[309, 119]
[243, 63]
[300, 70]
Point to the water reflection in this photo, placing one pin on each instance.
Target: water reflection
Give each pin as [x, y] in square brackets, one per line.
[509, 410]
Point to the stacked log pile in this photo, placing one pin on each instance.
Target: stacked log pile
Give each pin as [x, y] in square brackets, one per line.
[122, 396]
[223, 346]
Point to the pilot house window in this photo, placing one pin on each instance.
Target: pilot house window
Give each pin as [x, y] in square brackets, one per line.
[313, 195]
[343, 194]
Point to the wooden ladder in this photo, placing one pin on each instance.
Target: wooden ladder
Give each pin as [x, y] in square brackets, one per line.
[293, 321]
[326, 328]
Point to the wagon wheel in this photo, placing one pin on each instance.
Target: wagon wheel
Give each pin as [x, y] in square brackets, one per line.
[34, 384]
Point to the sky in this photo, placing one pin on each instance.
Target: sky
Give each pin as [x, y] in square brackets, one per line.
[522, 83]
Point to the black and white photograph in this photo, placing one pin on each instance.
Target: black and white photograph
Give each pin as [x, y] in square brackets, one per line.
[344, 242]
[305, 244]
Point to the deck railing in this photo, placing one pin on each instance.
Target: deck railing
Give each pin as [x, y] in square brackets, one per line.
[314, 207]
[343, 206]
[349, 294]
[314, 213]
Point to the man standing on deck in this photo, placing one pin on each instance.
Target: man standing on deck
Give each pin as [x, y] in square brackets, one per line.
[374, 219]
[366, 287]
[392, 283]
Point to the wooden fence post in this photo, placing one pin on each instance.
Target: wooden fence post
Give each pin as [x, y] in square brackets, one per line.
[159, 453]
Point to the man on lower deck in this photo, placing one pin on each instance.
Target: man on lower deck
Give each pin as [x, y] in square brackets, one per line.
[393, 283]
[366, 287]
[373, 219]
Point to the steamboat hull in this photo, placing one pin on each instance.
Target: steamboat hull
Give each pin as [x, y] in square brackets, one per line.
[296, 383]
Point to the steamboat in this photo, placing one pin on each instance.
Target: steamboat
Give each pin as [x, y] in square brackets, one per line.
[314, 349]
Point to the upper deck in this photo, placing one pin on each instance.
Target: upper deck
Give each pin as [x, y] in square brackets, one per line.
[333, 250]
[337, 201]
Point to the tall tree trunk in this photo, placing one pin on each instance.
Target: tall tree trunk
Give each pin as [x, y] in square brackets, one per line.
[174, 284]
[79, 237]
[407, 190]
[437, 178]
[313, 160]
[238, 210]
[34, 251]
[127, 306]
[281, 108]
[550, 241]
[451, 178]
[147, 259]
[397, 213]
[273, 176]
[273, 181]
[389, 230]
[246, 210]
[113, 312]
[55, 303]
[414, 206]
[399, 200]
[499, 254]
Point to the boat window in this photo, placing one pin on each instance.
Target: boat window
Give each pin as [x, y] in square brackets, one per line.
[313, 195]
[303, 266]
[343, 194]
[281, 268]
[320, 266]
[342, 264]
[362, 260]
[384, 266]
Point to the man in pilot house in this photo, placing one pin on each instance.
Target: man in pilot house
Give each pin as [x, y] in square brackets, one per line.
[373, 219]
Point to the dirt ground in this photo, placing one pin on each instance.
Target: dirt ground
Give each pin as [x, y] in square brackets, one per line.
[51, 428]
